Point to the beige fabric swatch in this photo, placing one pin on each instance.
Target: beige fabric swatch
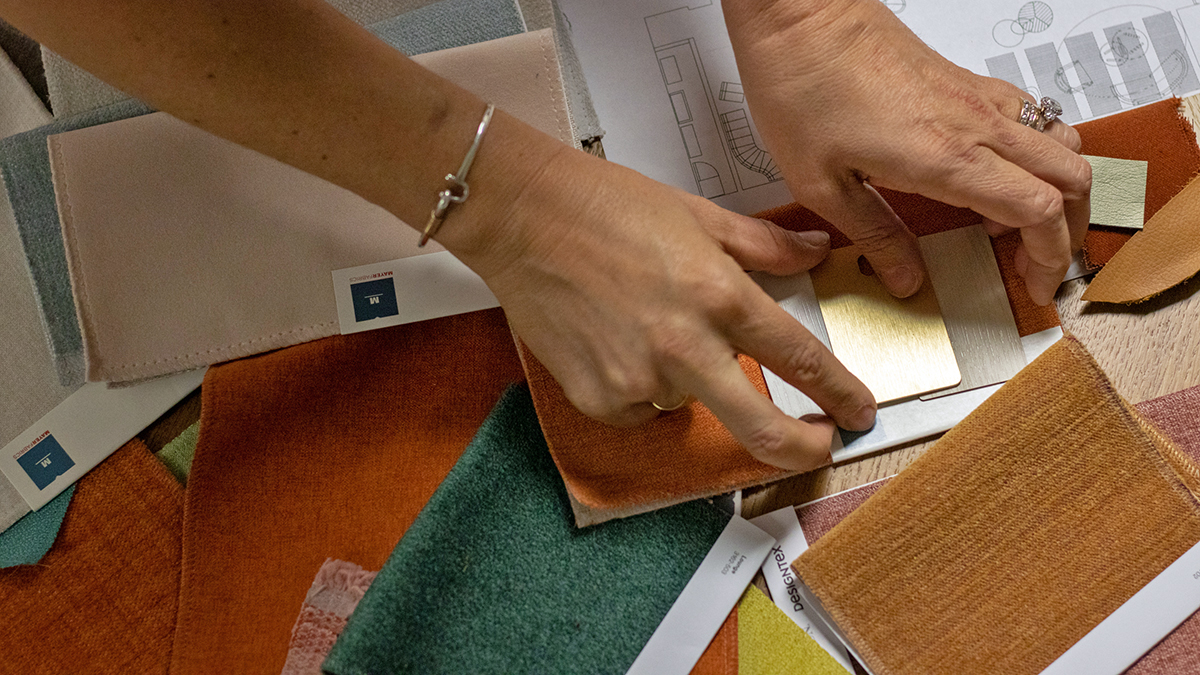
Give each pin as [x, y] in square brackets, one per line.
[223, 252]
[1118, 192]
[1166, 253]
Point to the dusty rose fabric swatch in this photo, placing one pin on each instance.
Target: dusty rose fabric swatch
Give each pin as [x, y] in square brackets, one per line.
[330, 601]
[223, 252]
[1013, 508]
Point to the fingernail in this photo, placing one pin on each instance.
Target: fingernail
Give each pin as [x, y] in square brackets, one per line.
[863, 418]
[815, 238]
[903, 281]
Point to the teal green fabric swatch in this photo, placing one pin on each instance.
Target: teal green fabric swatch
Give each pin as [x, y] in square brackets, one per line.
[178, 454]
[493, 577]
[32, 536]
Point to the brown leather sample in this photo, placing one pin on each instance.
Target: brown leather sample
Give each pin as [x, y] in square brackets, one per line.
[1166, 253]
[1017, 533]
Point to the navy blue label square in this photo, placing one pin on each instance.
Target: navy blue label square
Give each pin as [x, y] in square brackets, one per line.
[374, 299]
[45, 461]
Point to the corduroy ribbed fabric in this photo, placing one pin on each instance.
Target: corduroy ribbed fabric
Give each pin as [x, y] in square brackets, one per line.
[103, 600]
[327, 449]
[493, 577]
[1017, 533]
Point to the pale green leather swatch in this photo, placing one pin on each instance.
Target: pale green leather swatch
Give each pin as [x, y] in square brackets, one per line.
[1118, 192]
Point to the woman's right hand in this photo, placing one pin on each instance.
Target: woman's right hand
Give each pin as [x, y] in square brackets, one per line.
[632, 292]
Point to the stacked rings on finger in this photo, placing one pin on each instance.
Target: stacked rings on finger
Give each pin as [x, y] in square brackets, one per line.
[1036, 117]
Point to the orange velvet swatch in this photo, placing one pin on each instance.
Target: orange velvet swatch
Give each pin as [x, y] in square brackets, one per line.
[1156, 134]
[326, 449]
[103, 600]
[1018, 532]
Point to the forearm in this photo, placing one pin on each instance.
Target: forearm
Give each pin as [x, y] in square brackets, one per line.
[296, 80]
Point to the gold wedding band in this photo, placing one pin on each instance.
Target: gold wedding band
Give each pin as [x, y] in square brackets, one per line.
[668, 408]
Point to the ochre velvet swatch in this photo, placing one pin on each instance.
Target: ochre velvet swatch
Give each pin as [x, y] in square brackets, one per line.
[1166, 253]
[1155, 133]
[103, 600]
[1039, 515]
[327, 449]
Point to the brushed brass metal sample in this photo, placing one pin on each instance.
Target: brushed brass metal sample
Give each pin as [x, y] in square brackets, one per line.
[966, 279]
[899, 348]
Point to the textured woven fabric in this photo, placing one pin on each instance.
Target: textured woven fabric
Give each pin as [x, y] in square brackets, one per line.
[493, 577]
[177, 455]
[103, 600]
[261, 237]
[327, 449]
[20, 108]
[32, 536]
[819, 517]
[770, 643]
[25, 164]
[1178, 416]
[335, 592]
[1155, 133]
[1039, 515]
[26, 55]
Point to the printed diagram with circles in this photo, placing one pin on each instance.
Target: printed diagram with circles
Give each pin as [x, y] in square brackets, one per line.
[1033, 17]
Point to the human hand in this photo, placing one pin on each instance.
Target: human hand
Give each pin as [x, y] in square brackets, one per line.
[632, 292]
[846, 99]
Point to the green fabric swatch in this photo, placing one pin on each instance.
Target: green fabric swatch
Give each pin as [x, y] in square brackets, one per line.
[493, 577]
[177, 455]
[32, 536]
[770, 643]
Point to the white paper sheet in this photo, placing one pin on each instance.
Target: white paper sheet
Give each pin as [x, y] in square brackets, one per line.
[667, 90]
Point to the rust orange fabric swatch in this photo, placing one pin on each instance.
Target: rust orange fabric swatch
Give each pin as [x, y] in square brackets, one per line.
[1156, 134]
[326, 449]
[103, 600]
[1018, 532]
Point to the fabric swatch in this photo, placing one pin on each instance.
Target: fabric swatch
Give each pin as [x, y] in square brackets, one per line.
[450, 23]
[177, 455]
[335, 592]
[1155, 133]
[262, 237]
[25, 166]
[1178, 416]
[494, 577]
[1166, 253]
[721, 656]
[770, 643]
[541, 14]
[32, 536]
[275, 489]
[29, 386]
[1014, 524]
[20, 108]
[103, 600]
[1118, 192]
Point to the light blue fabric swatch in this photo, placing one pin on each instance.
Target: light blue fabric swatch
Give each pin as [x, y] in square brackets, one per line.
[32, 536]
[25, 160]
[25, 164]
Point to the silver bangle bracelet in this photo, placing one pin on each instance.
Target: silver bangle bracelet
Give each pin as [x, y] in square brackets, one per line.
[456, 190]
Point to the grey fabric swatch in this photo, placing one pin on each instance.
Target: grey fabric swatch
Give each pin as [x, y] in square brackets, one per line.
[366, 12]
[450, 23]
[25, 166]
[74, 91]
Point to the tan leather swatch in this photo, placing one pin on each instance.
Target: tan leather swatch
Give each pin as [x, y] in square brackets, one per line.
[1164, 254]
[1018, 532]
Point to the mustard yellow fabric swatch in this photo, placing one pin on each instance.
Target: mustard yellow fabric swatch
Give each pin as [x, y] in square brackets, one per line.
[769, 643]
[1019, 531]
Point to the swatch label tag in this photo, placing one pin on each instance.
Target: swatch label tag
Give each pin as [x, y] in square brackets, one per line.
[790, 542]
[83, 430]
[417, 288]
[707, 599]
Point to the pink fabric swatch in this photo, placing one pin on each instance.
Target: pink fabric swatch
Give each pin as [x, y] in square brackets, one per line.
[223, 252]
[334, 594]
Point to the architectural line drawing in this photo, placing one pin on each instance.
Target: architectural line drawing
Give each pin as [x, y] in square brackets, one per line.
[1033, 17]
[896, 6]
[717, 132]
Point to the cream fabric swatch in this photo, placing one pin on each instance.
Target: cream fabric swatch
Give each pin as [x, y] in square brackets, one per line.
[222, 252]
[29, 385]
[1118, 192]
